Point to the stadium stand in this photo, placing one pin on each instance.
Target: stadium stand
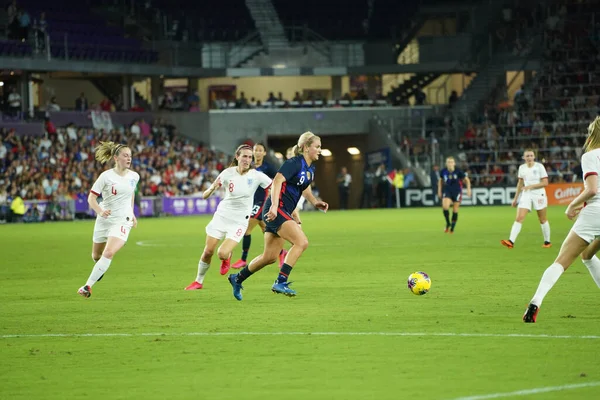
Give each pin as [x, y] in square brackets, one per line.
[74, 33]
[549, 114]
[345, 20]
[62, 163]
[229, 20]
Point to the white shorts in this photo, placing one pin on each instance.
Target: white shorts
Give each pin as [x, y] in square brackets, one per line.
[104, 228]
[220, 227]
[587, 225]
[537, 201]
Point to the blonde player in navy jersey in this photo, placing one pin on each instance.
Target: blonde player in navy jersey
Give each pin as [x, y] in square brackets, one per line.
[533, 178]
[230, 221]
[115, 216]
[291, 182]
[581, 240]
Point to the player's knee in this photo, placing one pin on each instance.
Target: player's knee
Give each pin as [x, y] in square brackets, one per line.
[222, 254]
[96, 256]
[108, 253]
[302, 244]
[520, 219]
[270, 259]
[543, 220]
[208, 253]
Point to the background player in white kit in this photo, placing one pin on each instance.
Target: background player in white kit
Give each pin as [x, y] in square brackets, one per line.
[582, 237]
[114, 217]
[533, 179]
[230, 221]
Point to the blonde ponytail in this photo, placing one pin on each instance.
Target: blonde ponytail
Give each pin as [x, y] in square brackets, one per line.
[593, 140]
[107, 150]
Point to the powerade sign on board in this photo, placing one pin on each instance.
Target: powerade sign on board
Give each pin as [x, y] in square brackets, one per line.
[488, 196]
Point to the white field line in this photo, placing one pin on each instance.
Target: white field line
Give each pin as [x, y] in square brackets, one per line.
[422, 334]
[528, 392]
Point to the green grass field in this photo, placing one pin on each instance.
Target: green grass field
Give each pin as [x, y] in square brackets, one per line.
[142, 336]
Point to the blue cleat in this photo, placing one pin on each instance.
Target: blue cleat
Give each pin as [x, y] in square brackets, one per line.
[283, 288]
[237, 287]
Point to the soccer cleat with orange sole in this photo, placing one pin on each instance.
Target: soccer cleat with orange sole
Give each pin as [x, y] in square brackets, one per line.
[194, 286]
[507, 243]
[225, 264]
[531, 313]
[239, 264]
[547, 245]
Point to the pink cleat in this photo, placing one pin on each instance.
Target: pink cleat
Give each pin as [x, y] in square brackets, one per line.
[282, 257]
[239, 264]
[225, 264]
[194, 286]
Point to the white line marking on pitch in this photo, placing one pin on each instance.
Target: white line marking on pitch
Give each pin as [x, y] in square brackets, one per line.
[441, 334]
[531, 391]
[150, 243]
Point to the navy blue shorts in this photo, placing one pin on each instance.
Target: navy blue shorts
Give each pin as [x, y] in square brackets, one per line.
[274, 225]
[454, 195]
[257, 211]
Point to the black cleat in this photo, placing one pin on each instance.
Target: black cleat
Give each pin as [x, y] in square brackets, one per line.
[531, 313]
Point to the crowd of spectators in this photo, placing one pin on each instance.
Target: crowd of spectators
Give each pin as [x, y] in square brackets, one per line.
[61, 165]
[550, 113]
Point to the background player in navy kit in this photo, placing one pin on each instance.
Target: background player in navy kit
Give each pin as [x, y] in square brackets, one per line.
[450, 191]
[259, 152]
[291, 182]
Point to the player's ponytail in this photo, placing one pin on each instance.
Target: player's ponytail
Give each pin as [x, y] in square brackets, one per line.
[238, 151]
[593, 140]
[107, 150]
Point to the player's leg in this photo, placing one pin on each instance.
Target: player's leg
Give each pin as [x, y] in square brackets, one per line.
[246, 241]
[113, 245]
[540, 204]
[572, 247]
[273, 245]
[204, 264]
[446, 202]
[591, 261]
[516, 227]
[291, 232]
[97, 249]
[455, 207]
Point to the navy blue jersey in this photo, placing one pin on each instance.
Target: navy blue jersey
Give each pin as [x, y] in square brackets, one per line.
[261, 194]
[298, 176]
[452, 181]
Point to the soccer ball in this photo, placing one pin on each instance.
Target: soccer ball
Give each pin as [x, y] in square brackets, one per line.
[419, 283]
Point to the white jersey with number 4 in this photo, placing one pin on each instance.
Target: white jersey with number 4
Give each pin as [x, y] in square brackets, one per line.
[532, 176]
[117, 192]
[239, 192]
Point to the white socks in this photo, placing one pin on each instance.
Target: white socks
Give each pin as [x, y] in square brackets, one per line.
[99, 269]
[202, 269]
[593, 266]
[546, 231]
[516, 229]
[514, 232]
[549, 278]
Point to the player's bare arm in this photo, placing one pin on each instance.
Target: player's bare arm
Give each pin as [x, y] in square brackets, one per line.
[208, 192]
[308, 195]
[518, 192]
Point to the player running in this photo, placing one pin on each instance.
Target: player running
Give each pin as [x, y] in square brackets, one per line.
[531, 192]
[114, 217]
[230, 221]
[581, 238]
[291, 182]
